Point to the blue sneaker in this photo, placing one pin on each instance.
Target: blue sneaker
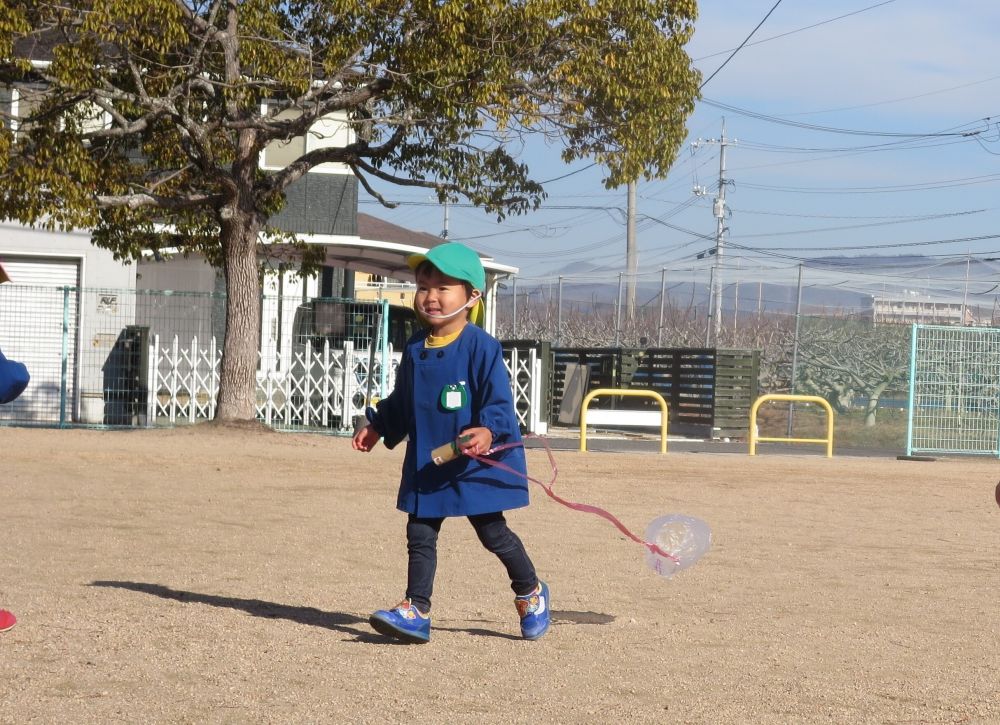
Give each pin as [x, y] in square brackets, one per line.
[534, 611]
[404, 621]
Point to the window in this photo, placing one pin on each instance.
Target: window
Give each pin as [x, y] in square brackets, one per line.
[279, 154]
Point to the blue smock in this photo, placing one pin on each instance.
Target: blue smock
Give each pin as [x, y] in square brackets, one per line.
[13, 379]
[417, 409]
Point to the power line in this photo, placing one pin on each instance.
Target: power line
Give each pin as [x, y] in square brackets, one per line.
[891, 245]
[835, 216]
[571, 173]
[797, 30]
[896, 100]
[820, 230]
[906, 144]
[830, 129]
[921, 186]
[737, 49]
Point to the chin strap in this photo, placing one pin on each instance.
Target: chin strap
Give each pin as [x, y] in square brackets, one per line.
[461, 309]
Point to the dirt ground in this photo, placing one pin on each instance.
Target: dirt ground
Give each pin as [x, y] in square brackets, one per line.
[226, 576]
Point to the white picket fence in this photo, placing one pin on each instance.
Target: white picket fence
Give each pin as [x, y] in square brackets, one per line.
[311, 389]
[527, 384]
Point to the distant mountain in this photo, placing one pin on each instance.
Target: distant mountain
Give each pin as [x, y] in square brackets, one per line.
[866, 276]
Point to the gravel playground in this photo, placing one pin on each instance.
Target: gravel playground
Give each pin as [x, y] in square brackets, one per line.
[214, 575]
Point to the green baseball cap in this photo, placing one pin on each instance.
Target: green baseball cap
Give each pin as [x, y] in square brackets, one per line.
[459, 261]
[455, 260]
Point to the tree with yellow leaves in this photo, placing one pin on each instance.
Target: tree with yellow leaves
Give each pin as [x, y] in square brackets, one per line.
[153, 115]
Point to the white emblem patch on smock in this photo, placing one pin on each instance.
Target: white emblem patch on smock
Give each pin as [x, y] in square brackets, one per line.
[454, 397]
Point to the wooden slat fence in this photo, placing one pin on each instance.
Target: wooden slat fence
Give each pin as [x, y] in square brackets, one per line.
[737, 386]
[709, 391]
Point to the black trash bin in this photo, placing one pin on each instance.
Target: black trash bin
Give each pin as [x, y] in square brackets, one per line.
[125, 375]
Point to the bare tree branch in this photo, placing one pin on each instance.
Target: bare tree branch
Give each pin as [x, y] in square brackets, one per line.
[169, 203]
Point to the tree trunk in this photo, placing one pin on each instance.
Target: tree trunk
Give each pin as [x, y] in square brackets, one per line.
[872, 406]
[238, 377]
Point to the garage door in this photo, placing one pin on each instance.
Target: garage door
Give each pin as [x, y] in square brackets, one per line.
[33, 306]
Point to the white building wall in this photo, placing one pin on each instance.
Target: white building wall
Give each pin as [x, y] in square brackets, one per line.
[98, 268]
[178, 273]
[104, 296]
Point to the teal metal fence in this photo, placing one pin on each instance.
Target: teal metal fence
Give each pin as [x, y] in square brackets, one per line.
[954, 401]
[139, 358]
[114, 357]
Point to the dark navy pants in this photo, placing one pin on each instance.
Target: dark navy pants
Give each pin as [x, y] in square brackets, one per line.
[421, 543]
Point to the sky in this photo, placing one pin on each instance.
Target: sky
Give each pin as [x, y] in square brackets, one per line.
[853, 128]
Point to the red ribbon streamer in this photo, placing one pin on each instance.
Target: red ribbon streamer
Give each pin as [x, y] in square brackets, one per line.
[586, 508]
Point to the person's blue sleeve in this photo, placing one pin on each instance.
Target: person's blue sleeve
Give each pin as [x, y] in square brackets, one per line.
[495, 402]
[390, 418]
[13, 379]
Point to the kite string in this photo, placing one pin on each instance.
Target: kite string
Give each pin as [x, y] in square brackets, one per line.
[585, 508]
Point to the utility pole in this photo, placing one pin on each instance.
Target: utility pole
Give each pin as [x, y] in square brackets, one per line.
[719, 211]
[736, 301]
[559, 314]
[719, 208]
[631, 254]
[663, 300]
[708, 315]
[513, 283]
[965, 299]
[618, 313]
[795, 351]
[444, 232]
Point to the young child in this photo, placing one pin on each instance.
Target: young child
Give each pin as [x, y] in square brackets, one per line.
[452, 386]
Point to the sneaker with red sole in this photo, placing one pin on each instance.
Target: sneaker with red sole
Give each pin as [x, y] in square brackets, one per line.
[7, 620]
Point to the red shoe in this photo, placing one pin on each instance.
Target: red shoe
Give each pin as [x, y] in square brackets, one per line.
[7, 620]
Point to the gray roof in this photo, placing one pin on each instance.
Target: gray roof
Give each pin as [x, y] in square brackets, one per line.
[370, 227]
[383, 248]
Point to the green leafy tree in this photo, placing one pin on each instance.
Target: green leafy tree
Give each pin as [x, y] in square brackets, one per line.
[152, 115]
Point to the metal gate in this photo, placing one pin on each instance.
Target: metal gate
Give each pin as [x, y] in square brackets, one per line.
[954, 390]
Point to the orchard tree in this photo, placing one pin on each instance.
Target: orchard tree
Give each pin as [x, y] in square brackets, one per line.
[840, 358]
[149, 117]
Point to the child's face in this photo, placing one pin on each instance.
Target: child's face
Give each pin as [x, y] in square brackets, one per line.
[439, 295]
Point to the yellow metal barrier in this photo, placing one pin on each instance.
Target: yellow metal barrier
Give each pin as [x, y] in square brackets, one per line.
[754, 438]
[624, 417]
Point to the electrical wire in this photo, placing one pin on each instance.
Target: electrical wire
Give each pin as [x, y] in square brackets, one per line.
[920, 186]
[797, 30]
[740, 46]
[830, 129]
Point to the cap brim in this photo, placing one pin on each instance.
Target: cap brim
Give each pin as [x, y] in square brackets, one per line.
[414, 260]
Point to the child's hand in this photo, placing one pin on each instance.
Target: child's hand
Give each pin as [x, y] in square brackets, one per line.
[477, 441]
[365, 439]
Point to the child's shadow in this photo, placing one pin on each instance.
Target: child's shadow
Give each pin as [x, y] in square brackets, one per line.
[311, 616]
[337, 621]
[479, 631]
[559, 617]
